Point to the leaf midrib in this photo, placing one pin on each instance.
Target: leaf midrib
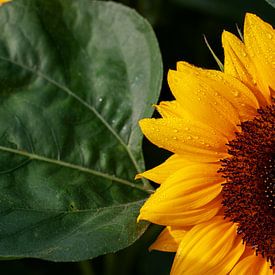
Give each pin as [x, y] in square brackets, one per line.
[32, 156]
[98, 209]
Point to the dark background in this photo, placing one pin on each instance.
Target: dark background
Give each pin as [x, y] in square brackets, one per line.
[179, 26]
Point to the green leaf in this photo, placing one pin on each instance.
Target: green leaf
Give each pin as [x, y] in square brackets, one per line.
[271, 2]
[75, 78]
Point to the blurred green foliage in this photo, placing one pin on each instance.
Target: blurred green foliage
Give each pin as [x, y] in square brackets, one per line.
[179, 26]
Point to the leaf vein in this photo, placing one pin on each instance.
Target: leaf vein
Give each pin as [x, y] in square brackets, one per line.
[74, 166]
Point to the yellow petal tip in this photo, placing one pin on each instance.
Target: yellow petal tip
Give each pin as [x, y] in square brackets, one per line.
[138, 176]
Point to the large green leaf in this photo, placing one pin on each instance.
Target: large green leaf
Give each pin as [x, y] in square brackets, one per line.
[75, 78]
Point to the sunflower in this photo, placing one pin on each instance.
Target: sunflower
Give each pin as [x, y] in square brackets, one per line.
[216, 193]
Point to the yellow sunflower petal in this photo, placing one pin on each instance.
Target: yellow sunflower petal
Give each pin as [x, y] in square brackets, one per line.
[161, 172]
[171, 109]
[169, 239]
[209, 248]
[259, 39]
[186, 217]
[238, 63]
[187, 197]
[185, 137]
[252, 265]
[227, 87]
[203, 103]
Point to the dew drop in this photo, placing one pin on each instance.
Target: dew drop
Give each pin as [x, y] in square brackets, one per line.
[236, 94]
[100, 99]
[175, 130]
[174, 138]
[189, 137]
[269, 36]
[244, 54]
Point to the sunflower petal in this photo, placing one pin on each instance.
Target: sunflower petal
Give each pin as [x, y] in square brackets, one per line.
[169, 239]
[161, 172]
[238, 63]
[171, 109]
[186, 217]
[252, 265]
[259, 39]
[212, 247]
[187, 197]
[185, 137]
[203, 103]
[228, 87]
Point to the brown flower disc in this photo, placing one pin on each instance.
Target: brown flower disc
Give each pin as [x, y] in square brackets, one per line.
[248, 193]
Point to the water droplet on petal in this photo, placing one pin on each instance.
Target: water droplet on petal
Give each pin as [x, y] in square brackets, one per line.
[236, 94]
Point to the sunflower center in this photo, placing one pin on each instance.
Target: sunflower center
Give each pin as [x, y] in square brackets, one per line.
[248, 193]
